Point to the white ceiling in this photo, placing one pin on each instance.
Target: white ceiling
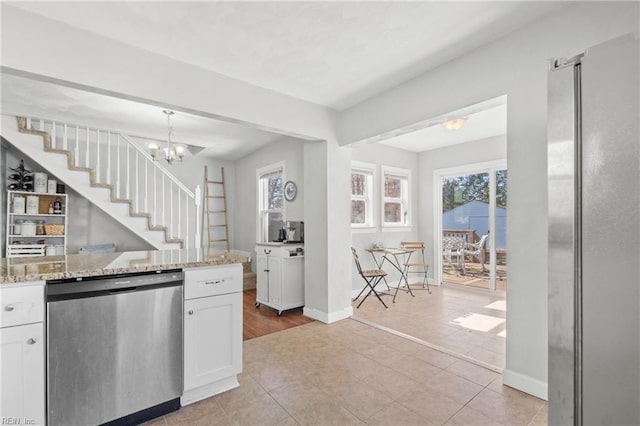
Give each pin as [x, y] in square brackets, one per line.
[480, 124]
[220, 139]
[335, 54]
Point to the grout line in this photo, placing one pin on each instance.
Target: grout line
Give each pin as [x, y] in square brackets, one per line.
[430, 345]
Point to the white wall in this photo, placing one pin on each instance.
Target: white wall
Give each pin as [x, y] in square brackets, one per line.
[515, 65]
[468, 153]
[190, 172]
[88, 61]
[383, 155]
[289, 150]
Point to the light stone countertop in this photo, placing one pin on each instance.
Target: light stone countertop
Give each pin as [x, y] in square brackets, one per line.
[22, 269]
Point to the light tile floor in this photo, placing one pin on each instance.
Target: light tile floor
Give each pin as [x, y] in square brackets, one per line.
[351, 373]
[459, 319]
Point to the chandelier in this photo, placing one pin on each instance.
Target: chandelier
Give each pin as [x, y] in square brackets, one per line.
[172, 152]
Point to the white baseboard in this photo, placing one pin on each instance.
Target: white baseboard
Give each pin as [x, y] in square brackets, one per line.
[208, 390]
[330, 317]
[526, 384]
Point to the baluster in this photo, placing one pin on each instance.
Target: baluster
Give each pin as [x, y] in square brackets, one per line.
[137, 200]
[29, 123]
[53, 135]
[171, 207]
[41, 124]
[98, 155]
[163, 213]
[87, 161]
[118, 169]
[179, 215]
[77, 150]
[186, 222]
[155, 196]
[128, 171]
[64, 137]
[108, 157]
[146, 180]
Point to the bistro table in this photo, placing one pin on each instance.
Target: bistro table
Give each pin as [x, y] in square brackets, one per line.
[399, 259]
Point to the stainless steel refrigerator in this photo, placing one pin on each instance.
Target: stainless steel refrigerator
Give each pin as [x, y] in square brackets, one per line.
[594, 237]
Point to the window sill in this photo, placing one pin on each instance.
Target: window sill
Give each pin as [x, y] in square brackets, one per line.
[399, 228]
[364, 229]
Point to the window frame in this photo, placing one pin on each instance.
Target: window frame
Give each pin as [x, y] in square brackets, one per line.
[261, 236]
[405, 200]
[370, 199]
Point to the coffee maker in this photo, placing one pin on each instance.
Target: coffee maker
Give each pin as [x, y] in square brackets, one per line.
[295, 231]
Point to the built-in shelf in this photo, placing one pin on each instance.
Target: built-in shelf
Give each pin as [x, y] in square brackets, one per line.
[39, 214]
[36, 236]
[28, 246]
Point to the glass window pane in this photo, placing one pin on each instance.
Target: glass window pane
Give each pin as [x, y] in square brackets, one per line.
[358, 184]
[392, 187]
[274, 223]
[274, 192]
[358, 211]
[392, 213]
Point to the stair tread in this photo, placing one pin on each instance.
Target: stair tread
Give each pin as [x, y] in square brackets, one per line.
[215, 196]
[216, 181]
[217, 211]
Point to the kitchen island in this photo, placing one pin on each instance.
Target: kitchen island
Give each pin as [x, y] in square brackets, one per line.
[179, 309]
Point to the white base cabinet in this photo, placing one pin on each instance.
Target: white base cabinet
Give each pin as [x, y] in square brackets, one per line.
[280, 276]
[22, 355]
[212, 331]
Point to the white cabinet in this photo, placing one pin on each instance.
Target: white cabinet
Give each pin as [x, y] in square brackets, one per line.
[22, 354]
[33, 229]
[212, 331]
[280, 276]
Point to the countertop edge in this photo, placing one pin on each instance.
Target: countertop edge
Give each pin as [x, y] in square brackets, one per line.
[88, 271]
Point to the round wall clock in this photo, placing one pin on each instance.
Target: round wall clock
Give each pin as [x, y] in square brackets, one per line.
[290, 190]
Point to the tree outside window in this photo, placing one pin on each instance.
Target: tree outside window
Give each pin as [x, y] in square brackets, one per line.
[361, 198]
[396, 197]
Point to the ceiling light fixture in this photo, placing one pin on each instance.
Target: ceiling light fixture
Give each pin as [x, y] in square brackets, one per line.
[173, 151]
[454, 123]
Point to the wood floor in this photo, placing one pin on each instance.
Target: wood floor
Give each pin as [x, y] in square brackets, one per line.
[264, 320]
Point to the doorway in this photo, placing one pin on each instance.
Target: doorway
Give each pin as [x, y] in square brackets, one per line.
[471, 231]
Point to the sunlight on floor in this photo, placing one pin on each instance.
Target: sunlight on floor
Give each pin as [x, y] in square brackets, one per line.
[499, 305]
[478, 322]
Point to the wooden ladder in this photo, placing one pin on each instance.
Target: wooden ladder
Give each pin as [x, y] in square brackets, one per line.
[216, 211]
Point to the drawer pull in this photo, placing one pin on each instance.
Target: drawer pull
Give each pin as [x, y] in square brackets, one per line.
[32, 341]
[214, 282]
[9, 308]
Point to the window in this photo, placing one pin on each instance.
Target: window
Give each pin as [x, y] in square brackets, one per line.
[362, 195]
[270, 202]
[395, 197]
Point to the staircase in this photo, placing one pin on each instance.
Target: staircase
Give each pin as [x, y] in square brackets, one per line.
[116, 174]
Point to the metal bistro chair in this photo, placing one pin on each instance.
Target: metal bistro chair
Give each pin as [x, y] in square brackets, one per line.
[371, 277]
[418, 267]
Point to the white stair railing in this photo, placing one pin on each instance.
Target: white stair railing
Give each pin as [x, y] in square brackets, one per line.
[117, 161]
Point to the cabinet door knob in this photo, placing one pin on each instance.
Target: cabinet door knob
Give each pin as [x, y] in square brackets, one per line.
[9, 308]
[190, 311]
[32, 341]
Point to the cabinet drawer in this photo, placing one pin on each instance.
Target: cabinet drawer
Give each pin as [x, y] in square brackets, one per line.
[211, 281]
[21, 305]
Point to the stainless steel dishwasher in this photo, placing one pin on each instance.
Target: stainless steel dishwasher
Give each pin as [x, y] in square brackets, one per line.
[114, 348]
